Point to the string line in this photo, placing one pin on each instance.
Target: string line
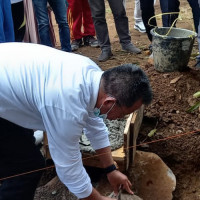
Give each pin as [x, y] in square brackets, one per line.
[89, 157]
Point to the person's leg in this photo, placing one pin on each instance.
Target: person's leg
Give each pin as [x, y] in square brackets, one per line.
[41, 13]
[75, 10]
[18, 19]
[122, 26]
[196, 12]
[2, 35]
[198, 39]
[60, 10]
[75, 23]
[88, 26]
[98, 16]
[147, 8]
[18, 154]
[121, 21]
[7, 22]
[99, 19]
[168, 6]
[139, 25]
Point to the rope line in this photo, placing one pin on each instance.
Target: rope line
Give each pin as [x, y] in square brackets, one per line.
[88, 157]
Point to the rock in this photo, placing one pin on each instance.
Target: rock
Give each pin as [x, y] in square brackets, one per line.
[129, 197]
[152, 178]
[124, 196]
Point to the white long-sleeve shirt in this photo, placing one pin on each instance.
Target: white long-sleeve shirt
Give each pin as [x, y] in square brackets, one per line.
[46, 89]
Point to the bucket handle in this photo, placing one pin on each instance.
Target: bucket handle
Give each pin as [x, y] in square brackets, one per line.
[169, 13]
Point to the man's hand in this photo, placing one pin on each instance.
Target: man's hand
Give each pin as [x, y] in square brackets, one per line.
[117, 179]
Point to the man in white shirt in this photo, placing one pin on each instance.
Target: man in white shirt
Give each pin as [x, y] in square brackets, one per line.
[62, 93]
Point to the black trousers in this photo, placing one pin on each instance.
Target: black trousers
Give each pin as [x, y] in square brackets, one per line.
[147, 8]
[18, 19]
[121, 22]
[18, 154]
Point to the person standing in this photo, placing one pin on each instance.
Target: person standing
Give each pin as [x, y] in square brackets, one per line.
[139, 25]
[121, 24]
[147, 8]
[59, 8]
[79, 18]
[6, 22]
[18, 19]
[198, 40]
[62, 94]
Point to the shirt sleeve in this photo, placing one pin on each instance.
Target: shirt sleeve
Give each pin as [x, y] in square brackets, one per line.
[63, 133]
[97, 132]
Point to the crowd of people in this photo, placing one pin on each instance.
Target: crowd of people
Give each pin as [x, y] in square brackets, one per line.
[84, 22]
[64, 94]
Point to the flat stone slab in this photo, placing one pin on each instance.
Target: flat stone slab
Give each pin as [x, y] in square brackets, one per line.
[124, 196]
[152, 178]
[129, 197]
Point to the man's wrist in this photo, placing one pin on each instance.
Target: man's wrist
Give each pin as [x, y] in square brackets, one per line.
[111, 168]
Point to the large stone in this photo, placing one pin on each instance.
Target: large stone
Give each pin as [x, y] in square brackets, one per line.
[151, 177]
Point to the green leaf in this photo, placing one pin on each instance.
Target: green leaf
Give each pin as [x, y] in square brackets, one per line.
[196, 95]
[152, 132]
[194, 107]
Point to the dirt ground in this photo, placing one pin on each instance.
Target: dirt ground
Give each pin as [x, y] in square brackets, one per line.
[167, 113]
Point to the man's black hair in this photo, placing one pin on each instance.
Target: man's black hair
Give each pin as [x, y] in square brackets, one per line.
[127, 83]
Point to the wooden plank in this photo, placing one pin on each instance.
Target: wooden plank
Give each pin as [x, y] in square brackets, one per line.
[135, 128]
[92, 160]
[127, 140]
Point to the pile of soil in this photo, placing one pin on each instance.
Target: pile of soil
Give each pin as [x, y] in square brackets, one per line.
[167, 113]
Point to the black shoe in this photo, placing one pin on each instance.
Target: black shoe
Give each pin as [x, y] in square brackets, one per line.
[76, 44]
[90, 41]
[105, 55]
[131, 48]
[198, 64]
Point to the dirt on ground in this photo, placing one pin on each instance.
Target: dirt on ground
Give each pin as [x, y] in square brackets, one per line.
[172, 96]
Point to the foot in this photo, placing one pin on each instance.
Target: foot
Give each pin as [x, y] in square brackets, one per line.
[105, 55]
[90, 41]
[150, 59]
[140, 27]
[198, 64]
[131, 48]
[76, 44]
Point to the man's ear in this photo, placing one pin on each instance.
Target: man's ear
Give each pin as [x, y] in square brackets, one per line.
[109, 100]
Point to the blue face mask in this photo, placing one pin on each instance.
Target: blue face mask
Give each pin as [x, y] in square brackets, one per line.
[97, 112]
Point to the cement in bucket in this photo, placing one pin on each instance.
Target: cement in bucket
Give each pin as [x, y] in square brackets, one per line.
[172, 52]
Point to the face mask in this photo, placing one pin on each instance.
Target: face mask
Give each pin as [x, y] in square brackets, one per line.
[97, 112]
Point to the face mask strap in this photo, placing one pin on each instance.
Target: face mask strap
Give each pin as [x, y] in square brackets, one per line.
[111, 108]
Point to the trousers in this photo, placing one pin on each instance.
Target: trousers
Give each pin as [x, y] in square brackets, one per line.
[6, 23]
[60, 10]
[79, 17]
[120, 18]
[18, 154]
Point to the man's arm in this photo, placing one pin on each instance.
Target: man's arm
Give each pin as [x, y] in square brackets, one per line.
[116, 178]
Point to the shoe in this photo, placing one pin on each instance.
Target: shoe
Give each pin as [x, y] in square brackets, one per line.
[151, 48]
[198, 64]
[105, 55]
[150, 59]
[131, 48]
[76, 44]
[140, 27]
[90, 41]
